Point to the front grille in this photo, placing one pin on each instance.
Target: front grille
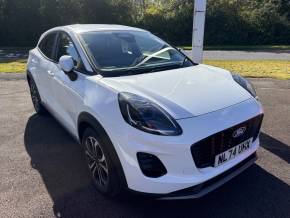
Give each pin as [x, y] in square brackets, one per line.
[204, 151]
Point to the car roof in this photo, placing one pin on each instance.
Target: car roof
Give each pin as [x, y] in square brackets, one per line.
[81, 28]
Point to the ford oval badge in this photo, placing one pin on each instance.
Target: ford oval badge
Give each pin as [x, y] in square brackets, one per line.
[240, 131]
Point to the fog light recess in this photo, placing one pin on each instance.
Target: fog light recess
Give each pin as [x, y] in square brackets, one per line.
[150, 165]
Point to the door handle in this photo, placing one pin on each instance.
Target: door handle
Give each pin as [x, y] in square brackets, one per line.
[50, 73]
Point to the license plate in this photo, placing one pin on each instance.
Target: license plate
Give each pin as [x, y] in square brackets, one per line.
[232, 152]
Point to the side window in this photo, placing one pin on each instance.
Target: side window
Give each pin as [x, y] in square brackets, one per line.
[66, 47]
[47, 44]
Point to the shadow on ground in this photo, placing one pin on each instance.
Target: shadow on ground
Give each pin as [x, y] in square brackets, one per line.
[60, 162]
[276, 147]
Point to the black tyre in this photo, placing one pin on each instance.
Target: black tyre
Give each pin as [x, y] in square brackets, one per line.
[35, 97]
[101, 163]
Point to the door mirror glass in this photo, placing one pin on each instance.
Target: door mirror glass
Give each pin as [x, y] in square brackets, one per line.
[66, 63]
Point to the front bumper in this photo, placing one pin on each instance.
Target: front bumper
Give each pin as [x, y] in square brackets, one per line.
[210, 185]
[175, 153]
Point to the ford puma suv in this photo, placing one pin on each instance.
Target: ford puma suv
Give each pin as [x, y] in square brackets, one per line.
[148, 118]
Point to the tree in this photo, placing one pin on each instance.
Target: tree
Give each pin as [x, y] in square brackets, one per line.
[227, 21]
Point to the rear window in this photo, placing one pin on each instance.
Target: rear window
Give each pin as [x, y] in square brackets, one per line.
[46, 45]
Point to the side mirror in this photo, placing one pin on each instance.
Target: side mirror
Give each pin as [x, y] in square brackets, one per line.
[66, 63]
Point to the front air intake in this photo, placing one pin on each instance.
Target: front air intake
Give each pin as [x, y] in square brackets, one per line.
[150, 165]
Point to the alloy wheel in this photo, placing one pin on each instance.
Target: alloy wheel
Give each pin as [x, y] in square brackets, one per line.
[34, 96]
[96, 161]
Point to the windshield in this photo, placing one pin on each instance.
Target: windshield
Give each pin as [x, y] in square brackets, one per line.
[127, 51]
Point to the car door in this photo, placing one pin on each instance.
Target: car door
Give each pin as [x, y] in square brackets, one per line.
[68, 93]
[44, 63]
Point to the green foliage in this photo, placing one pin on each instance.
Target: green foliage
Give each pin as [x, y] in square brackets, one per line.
[228, 22]
[247, 22]
[22, 22]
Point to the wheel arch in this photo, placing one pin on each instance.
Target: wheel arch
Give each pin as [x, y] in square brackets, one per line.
[86, 120]
[28, 76]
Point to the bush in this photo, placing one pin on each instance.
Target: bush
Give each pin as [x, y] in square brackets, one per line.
[228, 22]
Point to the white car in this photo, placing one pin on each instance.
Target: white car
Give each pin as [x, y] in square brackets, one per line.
[150, 120]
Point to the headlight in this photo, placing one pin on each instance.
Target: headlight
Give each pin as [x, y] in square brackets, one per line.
[147, 116]
[245, 84]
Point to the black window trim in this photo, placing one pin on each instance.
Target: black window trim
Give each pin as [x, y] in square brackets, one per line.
[54, 45]
[85, 72]
[95, 69]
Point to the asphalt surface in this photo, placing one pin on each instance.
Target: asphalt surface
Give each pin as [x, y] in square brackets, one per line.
[43, 172]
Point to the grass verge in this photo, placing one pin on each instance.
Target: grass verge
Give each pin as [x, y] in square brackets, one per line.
[277, 69]
[12, 65]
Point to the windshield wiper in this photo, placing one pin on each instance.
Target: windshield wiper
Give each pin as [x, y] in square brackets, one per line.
[155, 68]
[140, 70]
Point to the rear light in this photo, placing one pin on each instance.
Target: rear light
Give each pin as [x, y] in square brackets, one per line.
[150, 165]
